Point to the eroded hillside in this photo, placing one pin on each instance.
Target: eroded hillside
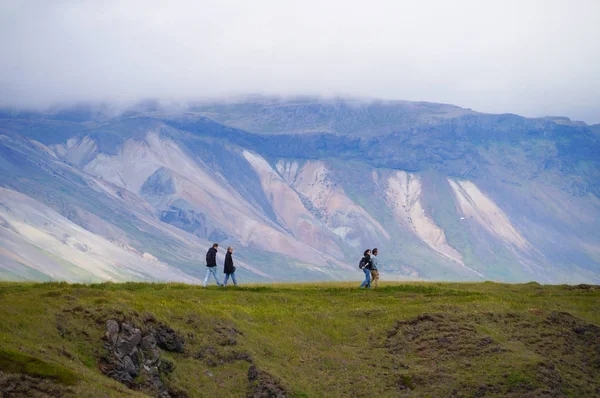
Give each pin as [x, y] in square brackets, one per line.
[445, 193]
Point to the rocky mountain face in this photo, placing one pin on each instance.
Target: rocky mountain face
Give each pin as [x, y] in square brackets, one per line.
[300, 188]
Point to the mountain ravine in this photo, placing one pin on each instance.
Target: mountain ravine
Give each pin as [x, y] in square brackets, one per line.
[300, 187]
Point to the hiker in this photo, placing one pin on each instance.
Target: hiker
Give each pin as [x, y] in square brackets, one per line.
[365, 265]
[211, 265]
[229, 267]
[374, 270]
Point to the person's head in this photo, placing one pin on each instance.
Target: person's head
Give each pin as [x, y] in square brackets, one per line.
[375, 251]
[230, 249]
[367, 252]
[215, 245]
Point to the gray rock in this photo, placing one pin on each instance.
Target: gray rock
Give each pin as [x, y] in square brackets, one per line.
[120, 375]
[112, 331]
[129, 366]
[112, 326]
[128, 341]
[123, 347]
[151, 352]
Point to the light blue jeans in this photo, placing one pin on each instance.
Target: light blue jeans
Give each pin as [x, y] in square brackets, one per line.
[232, 278]
[211, 271]
[367, 281]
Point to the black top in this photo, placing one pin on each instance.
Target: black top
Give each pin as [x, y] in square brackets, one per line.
[211, 257]
[229, 268]
[367, 261]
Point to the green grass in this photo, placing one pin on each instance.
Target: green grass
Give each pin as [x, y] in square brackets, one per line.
[16, 362]
[318, 340]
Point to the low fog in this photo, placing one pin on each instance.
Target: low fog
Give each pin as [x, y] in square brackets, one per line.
[530, 57]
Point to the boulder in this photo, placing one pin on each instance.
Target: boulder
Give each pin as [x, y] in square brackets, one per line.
[128, 340]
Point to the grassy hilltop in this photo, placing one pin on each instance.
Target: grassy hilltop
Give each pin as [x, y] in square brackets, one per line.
[314, 340]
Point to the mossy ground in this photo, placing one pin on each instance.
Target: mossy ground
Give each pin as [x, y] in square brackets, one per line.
[317, 340]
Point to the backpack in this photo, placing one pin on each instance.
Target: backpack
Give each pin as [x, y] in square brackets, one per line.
[362, 264]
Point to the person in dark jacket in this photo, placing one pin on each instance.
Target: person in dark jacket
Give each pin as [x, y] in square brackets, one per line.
[229, 267]
[211, 265]
[366, 267]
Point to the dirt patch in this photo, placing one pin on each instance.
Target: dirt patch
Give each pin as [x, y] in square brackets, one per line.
[545, 382]
[449, 355]
[70, 327]
[570, 346]
[263, 384]
[222, 332]
[550, 379]
[215, 356]
[454, 345]
[227, 335]
[219, 341]
[440, 336]
[20, 385]
[583, 286]
[168, 339]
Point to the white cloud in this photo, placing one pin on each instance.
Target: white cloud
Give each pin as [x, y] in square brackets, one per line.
[528, 57]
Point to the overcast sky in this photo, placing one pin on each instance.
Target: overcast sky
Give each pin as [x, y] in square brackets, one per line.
[529, 57]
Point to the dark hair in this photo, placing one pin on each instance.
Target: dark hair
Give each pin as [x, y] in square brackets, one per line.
[215, 245]
[374, 251]
[366, 252]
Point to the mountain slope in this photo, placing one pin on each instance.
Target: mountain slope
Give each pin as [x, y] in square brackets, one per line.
[106, 210]
[31, 229]
[445, 193]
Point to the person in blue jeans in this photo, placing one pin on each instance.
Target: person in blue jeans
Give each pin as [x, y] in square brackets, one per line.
[229, 267]
[211, 265]
[365, 265]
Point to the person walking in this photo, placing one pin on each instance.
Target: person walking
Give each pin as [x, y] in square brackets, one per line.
[365, 265]
[229, 268]
[211, 265]
[374, 269]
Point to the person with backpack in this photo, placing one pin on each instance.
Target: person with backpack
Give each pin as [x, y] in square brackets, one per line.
[229, 267]
[365, 265]
[211, 265]
[374, 270]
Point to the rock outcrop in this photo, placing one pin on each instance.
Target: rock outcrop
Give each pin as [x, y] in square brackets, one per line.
[133, 353]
